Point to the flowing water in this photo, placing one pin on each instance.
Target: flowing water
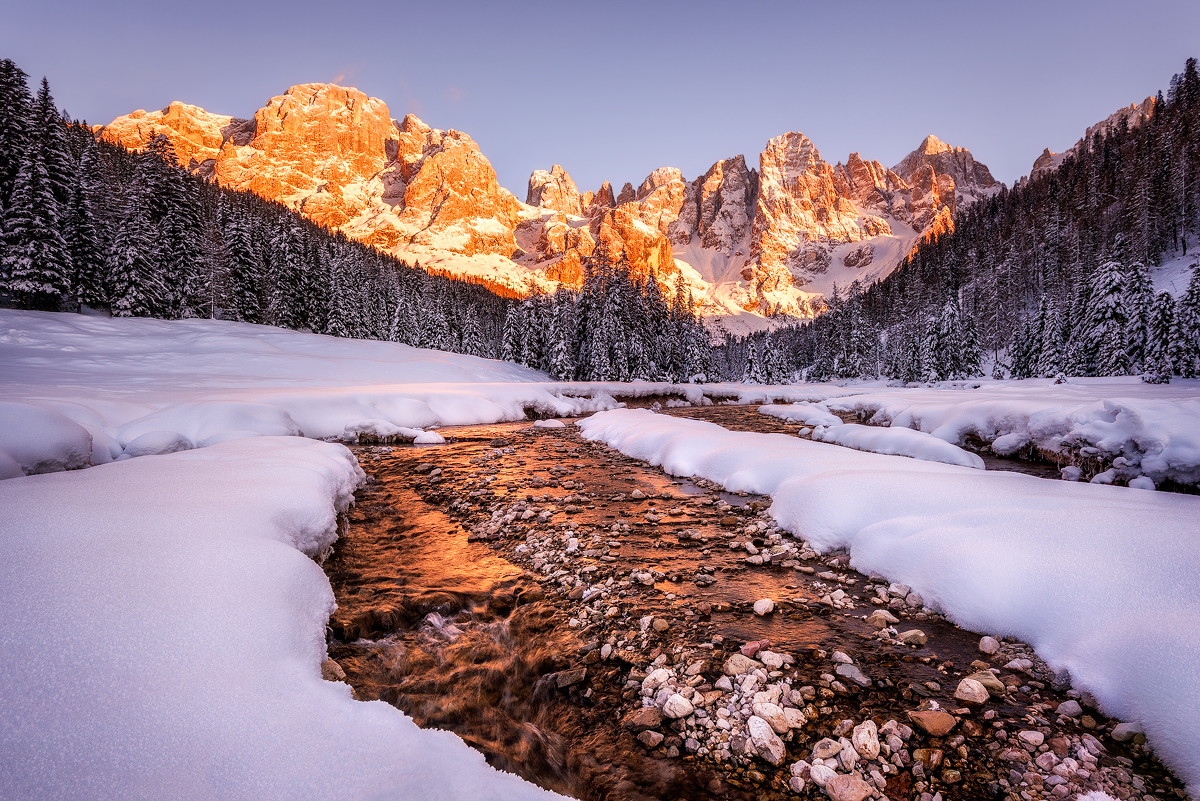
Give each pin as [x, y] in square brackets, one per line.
[463, 635]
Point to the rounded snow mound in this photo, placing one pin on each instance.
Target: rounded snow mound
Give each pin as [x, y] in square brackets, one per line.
[156, 443]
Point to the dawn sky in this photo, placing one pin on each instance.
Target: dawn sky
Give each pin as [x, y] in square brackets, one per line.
[613, 90]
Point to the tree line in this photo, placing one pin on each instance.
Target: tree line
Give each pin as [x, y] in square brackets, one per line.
[618, 327]
[88, 223]
[1050, 276]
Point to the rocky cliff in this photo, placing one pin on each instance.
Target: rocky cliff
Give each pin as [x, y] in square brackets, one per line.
[765, 241]
[1131, 116]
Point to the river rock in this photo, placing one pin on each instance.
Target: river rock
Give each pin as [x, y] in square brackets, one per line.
[657, 678]
[913, 637]
[772, 660]
[826, 748]
[972, 692]
[637, 494]
[648, 717]
[852, 673]
[915, 600]
[764, 606]
[650, 739]
[677, 707]
[795, 718]
[332, 671]
[821, 775]
[660, 625]
[766, 742]
[1123, 732]
[934, 722]
[865, 739]
[989, 645]
[774, 715]
[1070, 709]
[737, 664]
[882, 618]
[1034, 738]
[847, 787]
[724, 683]
[989, 681]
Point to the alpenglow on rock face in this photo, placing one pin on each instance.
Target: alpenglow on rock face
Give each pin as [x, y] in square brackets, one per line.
[769, 240]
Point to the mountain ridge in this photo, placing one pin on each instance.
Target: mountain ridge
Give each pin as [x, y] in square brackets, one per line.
[749, 242]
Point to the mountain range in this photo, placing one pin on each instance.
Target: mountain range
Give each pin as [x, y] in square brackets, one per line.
[750, 242]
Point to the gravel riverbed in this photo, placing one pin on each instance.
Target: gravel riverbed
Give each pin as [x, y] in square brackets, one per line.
[664, 638]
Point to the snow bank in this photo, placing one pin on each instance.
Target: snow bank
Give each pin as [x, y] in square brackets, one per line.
[803, 413]
[897, 442]
[78, 390]
[164, 629]
[40, 440]
[1100, 580]
[1154, 428]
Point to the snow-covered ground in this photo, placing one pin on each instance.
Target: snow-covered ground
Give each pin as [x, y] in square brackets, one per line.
[1101, 580]
[137, 386]
[163, 633]
[165, 605]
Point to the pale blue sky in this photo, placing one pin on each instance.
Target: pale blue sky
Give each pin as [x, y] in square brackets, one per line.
[613, 90]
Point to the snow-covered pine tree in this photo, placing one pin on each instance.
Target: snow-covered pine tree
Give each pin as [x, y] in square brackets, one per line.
[533, 346]
[1139, 299]
[316, 287]
[473, 343]
[948, 348]
[50, 137]
[1187, 321]
[1161, 350]
[243, 282]
[339, 310]
[1049, 341]
[562, 337]
[929, 367]
[512, 342]
[287, 306]
[970, 358]
[136, 288]
[16, 116]
[82, 236]
[1108, 321]
[35, 263]
[435, 331]
[752, 373]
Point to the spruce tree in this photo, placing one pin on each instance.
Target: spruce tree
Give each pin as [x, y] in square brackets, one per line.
[1108, 321]
[1139, 299]
[82, 236]
[1162, 352]
[244, 278]
[562, 337]
[136, 288]
[36, 263]
[49, 135]
[512, 343]
[752, 373]
[16, 117]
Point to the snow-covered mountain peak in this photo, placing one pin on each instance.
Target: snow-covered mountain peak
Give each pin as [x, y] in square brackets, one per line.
[748, 242]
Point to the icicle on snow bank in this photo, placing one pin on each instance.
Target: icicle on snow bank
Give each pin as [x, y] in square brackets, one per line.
[163, 632]
[1102, 581]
